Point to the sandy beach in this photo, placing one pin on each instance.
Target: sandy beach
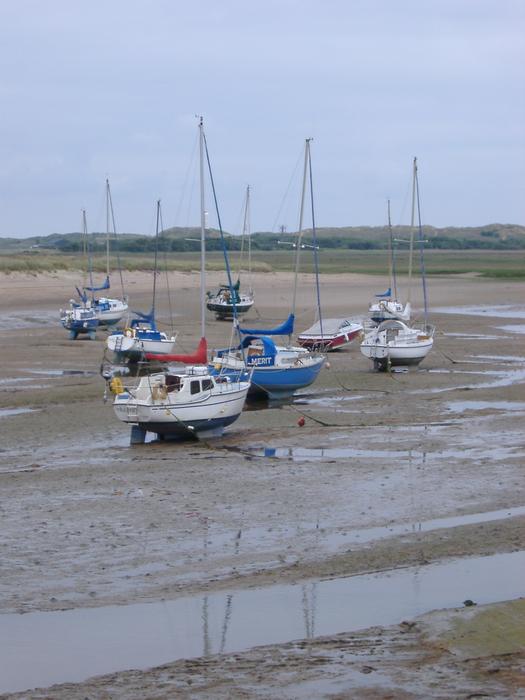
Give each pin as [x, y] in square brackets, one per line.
[391, 474]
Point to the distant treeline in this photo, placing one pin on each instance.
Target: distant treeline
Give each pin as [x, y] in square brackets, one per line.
[490, 237]
[145, 244]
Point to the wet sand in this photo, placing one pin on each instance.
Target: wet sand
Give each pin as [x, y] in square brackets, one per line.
[89, 521]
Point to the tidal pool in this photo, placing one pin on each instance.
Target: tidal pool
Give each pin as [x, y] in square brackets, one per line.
[44, 648]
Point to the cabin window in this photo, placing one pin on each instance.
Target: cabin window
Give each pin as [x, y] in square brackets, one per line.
[207, 385]
[173, 383]
[195, 386]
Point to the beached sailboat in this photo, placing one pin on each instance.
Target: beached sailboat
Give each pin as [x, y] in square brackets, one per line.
[81, 319]
[228, 301]
[183, 401]
[109, 311]
[330, 334]
[393, 342]
[388, 306]
[142, 336]
[278, 370]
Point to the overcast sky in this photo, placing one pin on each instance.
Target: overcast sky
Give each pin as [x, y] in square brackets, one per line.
[94, 89]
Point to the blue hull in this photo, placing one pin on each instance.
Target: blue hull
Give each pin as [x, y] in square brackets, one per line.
[86, 327]
[280, 383]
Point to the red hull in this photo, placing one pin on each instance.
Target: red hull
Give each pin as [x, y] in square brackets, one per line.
[328, 343]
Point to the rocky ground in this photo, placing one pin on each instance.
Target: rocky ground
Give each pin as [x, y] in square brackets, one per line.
[88, 521]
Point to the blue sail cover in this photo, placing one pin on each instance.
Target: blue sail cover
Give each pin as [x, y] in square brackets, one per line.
[144, 318]
[98, 289]
[388, 293]
[286, 328]
[83, 297]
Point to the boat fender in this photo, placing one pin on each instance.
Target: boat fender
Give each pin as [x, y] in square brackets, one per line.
[116, 386]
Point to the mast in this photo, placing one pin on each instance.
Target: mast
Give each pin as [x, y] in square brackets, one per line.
[411, 248]
[300, 232]
[315, 245]
[391, 256]
[246, 229]
[155, 264]
[87, 248]
[107, 227]
[113, 225]
[203, 226]
[421, 255]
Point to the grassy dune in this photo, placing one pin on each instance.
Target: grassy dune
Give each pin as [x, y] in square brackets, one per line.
[486, 263]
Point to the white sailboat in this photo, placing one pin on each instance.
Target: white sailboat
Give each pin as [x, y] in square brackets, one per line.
[278, 370]
[393, 342]
[81, 319]
[184, 401]
[109, 311]
[227, 302]
[388, 306]
[142, 336]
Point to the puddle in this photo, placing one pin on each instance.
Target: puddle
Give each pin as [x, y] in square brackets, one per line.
[63, 372]
[328, 401]
[326, 454]
[334, 541]
[77, 644]
[6, 412]
[498, 311]
[473, 336]
[14, 380]
[502, 378]
[459, 406]
[518, 328]
[500, 358]
[28, 319]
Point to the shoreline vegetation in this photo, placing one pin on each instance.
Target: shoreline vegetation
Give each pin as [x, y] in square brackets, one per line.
[494, 264]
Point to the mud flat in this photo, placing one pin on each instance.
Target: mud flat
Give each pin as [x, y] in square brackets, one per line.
[393, 477]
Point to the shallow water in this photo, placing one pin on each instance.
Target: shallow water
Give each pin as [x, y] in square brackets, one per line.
[497, 311]
[63, 372]
[28, 319]
[474, 336]
[6, 412]
[501, 378]
[76, 644]
[399, 456]
[514, 328]
[460, 406]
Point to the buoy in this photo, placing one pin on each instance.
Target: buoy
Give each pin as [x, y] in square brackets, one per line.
[301, 421]
[327, 365]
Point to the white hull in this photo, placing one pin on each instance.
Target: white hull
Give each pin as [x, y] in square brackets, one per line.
[189, 403]
[412, 353]
[112, 316]
[123, 345]
[223, 405]
[394, 343]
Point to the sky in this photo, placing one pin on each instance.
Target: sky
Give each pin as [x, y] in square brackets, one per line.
[111, 89]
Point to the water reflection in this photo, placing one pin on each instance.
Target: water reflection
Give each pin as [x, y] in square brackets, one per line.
[77, 644]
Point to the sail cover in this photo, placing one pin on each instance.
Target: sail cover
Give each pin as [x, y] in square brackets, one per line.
[145, 318]
[388, 293]
[286, 328]
[105, 285]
